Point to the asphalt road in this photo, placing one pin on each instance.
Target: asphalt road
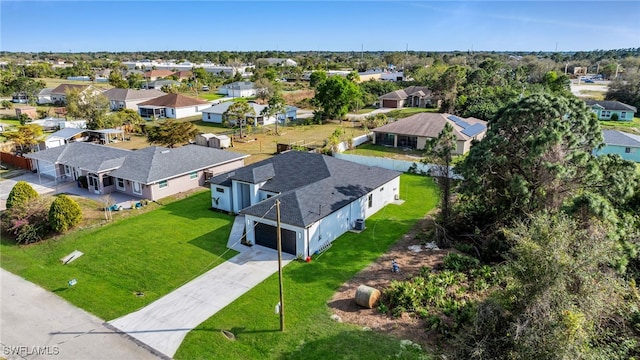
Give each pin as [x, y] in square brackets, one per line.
[36, 324]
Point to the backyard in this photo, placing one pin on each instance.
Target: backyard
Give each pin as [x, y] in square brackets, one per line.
[310, 333]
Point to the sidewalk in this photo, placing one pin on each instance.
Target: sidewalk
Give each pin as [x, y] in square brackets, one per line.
[164, 323]
[37, 324]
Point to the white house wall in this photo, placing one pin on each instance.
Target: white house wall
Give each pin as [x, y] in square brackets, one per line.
[180, 113]
[224, 198]
[212, 117]
[46, 168]
[382, 196]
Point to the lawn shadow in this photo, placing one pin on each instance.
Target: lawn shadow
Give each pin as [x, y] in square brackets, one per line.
[214, 241]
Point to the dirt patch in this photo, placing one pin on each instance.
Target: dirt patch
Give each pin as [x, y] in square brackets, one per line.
[378, 275]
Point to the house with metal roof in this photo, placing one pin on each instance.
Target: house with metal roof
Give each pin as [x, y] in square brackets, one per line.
[412, 96]
[63, 136]
[624, 144]
[321, 198]
[174, 106]
[608, 110]
[129, 98]
[216, 112]
[151, 173]
[238, 89]
[413, 132]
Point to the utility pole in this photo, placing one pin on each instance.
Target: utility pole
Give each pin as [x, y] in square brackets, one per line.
[280, 266]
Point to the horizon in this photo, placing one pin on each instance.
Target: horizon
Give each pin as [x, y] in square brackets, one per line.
[318, 26]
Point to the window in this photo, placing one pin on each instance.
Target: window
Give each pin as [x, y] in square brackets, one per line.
[120, 184]
[107, 181]
[627, 150]
[370, 200]
[162, 184]
[208, 116]
[193, 175]
[623, 114]
[605, 114]
[220, 190]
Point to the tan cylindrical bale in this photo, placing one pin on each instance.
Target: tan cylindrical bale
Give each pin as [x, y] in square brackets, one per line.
[367, 296]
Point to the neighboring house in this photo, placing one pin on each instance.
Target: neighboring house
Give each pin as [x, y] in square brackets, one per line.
[30, 111]
[238, 89]
[59, 93]
[174, 106]
[152, 75]
[321, 198]
[215, 114]
[278, 61]
[183, 75]
[129, 98]
[104, 73]
[412, 96]
[624, 144]
[20, 98]
[64, 136]
[158, 84]
[150, 173]
[44, 96]
[605, 109]
[413, 132]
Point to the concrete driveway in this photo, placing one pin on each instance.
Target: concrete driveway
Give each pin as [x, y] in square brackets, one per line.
[37, 324]
[46, 185]
[164, 323]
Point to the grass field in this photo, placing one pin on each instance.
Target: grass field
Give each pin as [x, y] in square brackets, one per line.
[54, 82]
[627, 126]
[210, 96]
[369, 149]
[404, 112]
[310, 334]
[152, 253]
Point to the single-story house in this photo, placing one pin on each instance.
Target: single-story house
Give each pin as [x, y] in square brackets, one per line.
[412, 96]
[44, 96]
[152, 75]
[624, 144]
[59, 93]
[321, 198]
[215, 113]
[606, 109]
[158, 84]
[238, 89]
[150, 173]
[30, 111]
[183, 75]
[174, 106]
[277, 62]
[20, 98]
[64, 136]
[129, 98]
[413, 132]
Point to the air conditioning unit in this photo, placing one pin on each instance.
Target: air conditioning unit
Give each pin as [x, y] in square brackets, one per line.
[359, 224]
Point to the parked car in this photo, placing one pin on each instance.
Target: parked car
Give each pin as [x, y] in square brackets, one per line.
[205, 88]
[588, 81]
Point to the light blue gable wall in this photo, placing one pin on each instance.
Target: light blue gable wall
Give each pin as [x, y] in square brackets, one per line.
[633, 155]
[607, 114]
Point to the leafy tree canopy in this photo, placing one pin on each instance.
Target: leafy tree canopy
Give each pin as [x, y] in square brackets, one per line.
[170, 132]
[335, 96]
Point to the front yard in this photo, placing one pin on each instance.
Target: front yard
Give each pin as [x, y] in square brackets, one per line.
[129, 263]
[309, 332]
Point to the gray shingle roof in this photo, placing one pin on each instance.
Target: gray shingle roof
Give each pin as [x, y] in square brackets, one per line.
[612, 105]
[86, 156]
[156, 163]
[66, 133]
[615, 137]
[427, 125]
[117, 94]
[310, 186]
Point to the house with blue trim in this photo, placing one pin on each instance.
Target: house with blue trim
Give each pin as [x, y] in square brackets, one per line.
[606, 109]
[624, 144]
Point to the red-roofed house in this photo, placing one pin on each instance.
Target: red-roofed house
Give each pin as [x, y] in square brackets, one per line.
[174, 106]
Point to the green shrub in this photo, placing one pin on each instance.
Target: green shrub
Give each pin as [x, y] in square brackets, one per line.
[21, 193]
[614, 117]
[64, 214]
[458, 262]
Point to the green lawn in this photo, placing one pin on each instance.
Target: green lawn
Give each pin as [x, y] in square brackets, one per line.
[404, 112]
[154, 253]
[210, 96]
[628, 126]
[310, 334]
[369, 149]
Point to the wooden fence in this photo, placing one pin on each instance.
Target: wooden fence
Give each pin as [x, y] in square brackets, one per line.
[16, 160]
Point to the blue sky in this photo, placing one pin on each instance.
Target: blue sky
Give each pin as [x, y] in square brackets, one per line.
[77, 26]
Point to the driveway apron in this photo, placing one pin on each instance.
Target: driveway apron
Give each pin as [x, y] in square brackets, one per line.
[164, 323]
